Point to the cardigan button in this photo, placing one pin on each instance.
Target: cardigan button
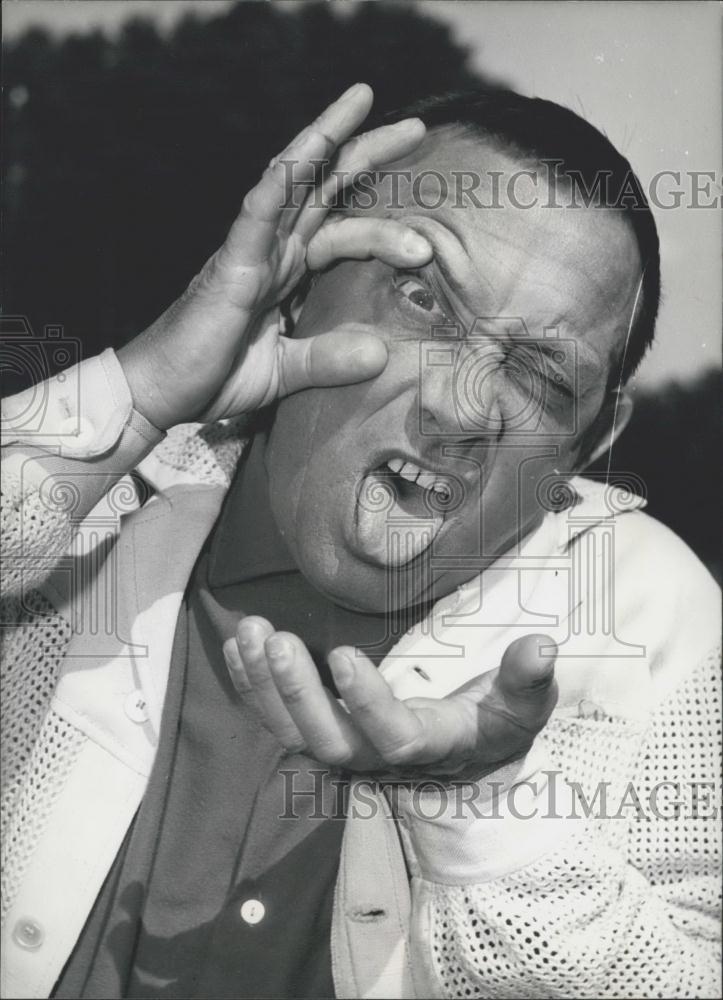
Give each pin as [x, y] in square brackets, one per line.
[252, 911]
[28, 934]
[135, 707]
[80, 429]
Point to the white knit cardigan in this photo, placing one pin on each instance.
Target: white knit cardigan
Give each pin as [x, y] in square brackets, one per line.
[623, 902]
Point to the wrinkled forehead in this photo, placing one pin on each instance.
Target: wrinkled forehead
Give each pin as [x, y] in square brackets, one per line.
[506, 235]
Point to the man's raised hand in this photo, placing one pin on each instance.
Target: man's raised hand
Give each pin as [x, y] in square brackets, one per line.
[489, 722]
[217, 351]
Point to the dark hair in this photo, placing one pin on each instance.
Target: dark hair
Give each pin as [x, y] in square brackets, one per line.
[575, 153]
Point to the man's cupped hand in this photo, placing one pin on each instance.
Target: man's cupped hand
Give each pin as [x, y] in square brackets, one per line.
[488, 723]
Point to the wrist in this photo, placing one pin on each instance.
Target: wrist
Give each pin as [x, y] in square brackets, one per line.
[147, 399]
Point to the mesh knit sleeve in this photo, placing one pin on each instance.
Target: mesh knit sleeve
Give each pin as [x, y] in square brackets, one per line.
[622, 906]
[58, 465]
[34, 532]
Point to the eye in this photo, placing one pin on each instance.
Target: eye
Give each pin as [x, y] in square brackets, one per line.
[419, 295]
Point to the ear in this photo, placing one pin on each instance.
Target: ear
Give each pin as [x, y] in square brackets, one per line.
[607, 427]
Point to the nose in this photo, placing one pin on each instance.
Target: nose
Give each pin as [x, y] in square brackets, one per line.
[459, 394]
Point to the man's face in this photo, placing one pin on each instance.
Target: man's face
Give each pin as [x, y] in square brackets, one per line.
[484, 413]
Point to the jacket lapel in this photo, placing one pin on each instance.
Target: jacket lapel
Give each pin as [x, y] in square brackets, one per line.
[124, 609]
[162, 548]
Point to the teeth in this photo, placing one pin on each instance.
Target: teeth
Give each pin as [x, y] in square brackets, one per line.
[413, 474]
[410, 472]
[427, 481]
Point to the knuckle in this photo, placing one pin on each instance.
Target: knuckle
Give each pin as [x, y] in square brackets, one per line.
[250, 204]
[350, 151]
[261, 681]
[401, 753]
[293, 692]
[317, 129]
[365, 706]
[240, 682]
[324, 240]
[333, 752]
[293, 743]
[316, 134]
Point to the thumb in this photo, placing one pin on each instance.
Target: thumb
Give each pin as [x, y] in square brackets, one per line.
[527, 669]
[337, 358]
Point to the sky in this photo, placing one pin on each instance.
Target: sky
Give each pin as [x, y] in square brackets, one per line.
[647, 73]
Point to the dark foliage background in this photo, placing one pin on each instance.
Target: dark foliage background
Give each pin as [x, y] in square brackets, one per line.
[129, 159]
[125, 160]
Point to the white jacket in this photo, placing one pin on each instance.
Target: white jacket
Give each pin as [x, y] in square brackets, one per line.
[511, 896]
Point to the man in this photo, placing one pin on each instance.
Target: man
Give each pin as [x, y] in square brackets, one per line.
[367, 604]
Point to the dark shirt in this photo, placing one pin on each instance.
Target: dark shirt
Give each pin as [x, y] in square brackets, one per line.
[214, 893]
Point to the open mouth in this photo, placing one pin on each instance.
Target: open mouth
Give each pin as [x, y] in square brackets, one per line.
[401, 506]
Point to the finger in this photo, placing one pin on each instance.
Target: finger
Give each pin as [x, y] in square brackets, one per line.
[527, 679]
[251, 635]
[239, 678]
[360, 239]
[528, 666]
[360, 155]
[520, 695]
[343, 116]
[337, 123]
[236, 669]
[396, 732]
[335, 358]
[252, 234]
[326, 728]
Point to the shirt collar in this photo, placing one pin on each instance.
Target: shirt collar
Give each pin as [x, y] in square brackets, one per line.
[246, 542]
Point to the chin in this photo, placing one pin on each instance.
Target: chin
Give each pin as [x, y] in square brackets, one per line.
[347, 581]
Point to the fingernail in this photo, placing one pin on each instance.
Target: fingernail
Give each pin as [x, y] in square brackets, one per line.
[415, 245]
[248, 635]
[342, 668]
[278, 648]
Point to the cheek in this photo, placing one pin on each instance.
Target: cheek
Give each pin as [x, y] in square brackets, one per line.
[311, 437]
[291, 449]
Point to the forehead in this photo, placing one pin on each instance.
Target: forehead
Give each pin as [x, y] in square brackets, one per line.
[514, 247]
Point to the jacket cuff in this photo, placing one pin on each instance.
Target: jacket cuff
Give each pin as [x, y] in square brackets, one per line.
[79, 413]
[480, 831]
